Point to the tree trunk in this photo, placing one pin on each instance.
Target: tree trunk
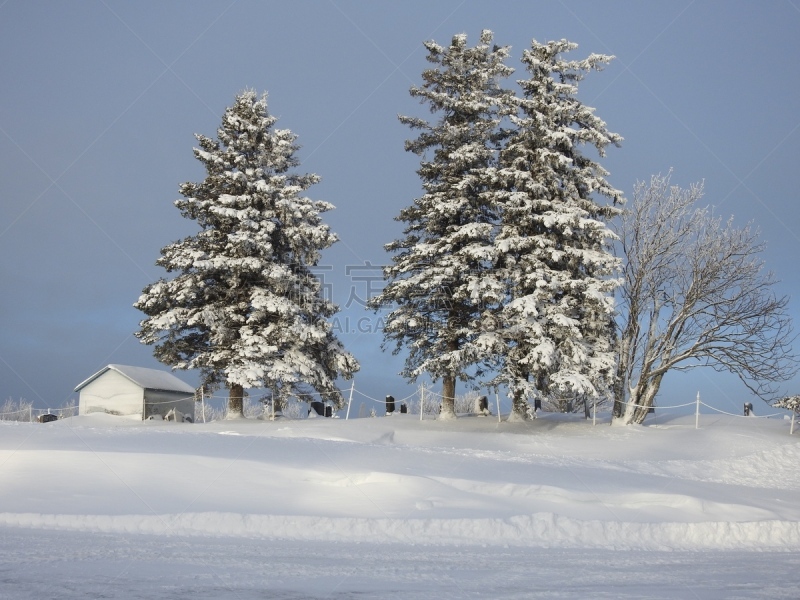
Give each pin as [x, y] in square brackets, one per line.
[519, 404]
[449, 382]
[620, 383]
[641, 400]
[235, 402]
[448, 397]
[619, 407]
[519, 407]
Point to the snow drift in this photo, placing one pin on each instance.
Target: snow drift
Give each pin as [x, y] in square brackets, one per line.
[556, 482]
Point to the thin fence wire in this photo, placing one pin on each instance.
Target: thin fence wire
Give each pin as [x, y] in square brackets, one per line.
[750, 416]
[660, 407]
[297, 406]
[15, 412]
[63, 413]
[698, 403]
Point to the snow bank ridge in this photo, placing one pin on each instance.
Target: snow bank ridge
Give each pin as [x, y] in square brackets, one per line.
[542, 530]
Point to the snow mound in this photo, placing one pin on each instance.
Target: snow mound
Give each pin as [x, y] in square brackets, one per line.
[542, 530]
[556, 482]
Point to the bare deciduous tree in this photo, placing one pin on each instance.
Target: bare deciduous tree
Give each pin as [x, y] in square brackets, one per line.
[694, 294]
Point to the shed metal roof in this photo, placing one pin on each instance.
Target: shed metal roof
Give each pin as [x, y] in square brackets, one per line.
[149, 379]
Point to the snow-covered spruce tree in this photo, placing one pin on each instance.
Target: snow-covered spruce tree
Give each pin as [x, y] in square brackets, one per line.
[789, 403]
[553, 243]
[244, 307]
[440, 282]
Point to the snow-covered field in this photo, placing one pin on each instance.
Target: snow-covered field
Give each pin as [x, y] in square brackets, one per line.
[105, 507]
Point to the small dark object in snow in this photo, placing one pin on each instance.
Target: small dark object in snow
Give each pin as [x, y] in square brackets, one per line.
[481, 406]
[389, 405]
[748, 409]
[403, 408]
[321, 409]
[48, 418]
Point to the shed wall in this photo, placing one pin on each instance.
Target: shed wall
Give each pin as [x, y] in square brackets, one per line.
[112, 393]
[161, 402]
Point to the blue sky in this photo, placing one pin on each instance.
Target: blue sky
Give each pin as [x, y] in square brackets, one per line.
[100, 101]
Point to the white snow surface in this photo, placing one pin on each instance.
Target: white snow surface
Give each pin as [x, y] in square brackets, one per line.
[113, 507]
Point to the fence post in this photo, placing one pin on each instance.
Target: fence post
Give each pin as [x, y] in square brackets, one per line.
[30, 414]
[594, 412]
[791, 429]
[421, 401]
[497, 401]
[697, 412]
[350, 401]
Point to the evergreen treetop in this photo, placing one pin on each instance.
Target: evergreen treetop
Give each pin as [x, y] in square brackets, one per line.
[244, 306]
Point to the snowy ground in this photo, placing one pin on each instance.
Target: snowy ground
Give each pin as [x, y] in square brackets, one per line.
[105, 507]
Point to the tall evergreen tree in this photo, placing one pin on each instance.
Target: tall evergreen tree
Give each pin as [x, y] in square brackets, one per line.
[244, 307]
[440, 282]
[553, 242]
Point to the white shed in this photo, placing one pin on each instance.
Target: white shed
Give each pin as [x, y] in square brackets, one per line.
[134, 391]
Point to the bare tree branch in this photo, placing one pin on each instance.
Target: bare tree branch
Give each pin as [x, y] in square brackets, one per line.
[695, 293]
